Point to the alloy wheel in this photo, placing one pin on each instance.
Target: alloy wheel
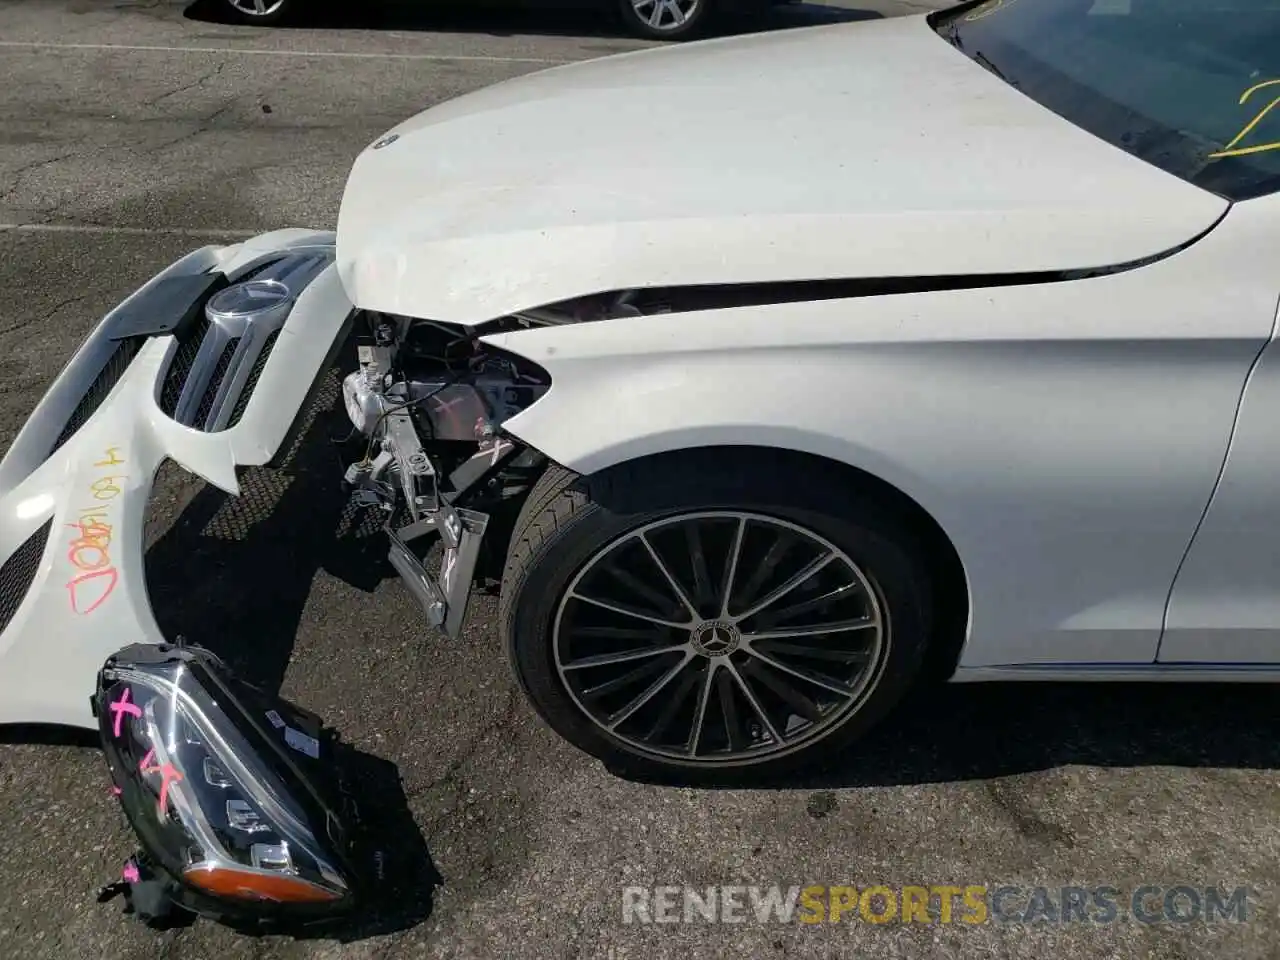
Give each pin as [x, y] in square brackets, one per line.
[719, 637]
[257, 8]
[664, 15]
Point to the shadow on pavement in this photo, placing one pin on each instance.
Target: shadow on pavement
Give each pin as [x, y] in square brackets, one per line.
[233, 574]
[392, 844]
[408, 877]
[957, 732]
[506, 18]
[48, 735]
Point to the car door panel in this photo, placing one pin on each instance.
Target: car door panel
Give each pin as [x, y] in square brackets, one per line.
[1225, 603]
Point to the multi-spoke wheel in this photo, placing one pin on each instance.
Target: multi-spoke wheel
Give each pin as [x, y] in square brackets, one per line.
[259, 11]
[700, 620]
[718, 636]
[665, 19]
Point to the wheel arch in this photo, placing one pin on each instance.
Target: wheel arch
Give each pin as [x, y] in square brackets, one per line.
[943, 559]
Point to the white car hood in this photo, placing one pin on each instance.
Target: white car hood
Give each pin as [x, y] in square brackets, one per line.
[859, 150]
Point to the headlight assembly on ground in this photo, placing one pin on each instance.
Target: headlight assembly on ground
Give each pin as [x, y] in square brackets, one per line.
[231, 792]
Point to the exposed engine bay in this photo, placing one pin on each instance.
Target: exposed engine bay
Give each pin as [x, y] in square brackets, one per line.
[429, 401]
[432, 396]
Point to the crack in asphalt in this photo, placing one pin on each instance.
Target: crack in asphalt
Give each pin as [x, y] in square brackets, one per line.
[47, 315]
[26, 168]
[451, 778]
[183, 88]
[202, 126]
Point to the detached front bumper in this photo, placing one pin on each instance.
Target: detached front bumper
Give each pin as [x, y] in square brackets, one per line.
[158, 379]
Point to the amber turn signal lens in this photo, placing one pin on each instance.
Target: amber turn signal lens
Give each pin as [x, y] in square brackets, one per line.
[222, 881]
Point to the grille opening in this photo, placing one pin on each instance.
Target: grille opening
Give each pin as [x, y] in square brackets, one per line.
[242, 402]
[215, 382]
[180, 367]
[101, 387]
[259, 269]
[19, 571]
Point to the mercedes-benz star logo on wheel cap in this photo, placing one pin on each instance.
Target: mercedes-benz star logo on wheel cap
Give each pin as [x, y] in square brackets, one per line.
[716, 639]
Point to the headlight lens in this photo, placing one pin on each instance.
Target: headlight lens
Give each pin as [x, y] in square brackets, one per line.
[217, 786]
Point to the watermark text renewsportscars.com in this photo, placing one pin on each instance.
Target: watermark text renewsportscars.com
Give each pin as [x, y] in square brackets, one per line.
[962, 904]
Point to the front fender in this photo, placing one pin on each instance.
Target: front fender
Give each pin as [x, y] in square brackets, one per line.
[75, 483]
[1065, 436]
[612, 406]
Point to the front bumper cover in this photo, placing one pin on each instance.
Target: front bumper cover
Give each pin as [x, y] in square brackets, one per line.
[154, 381]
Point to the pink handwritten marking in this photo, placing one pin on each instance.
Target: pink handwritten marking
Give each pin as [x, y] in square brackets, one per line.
[120, 708]
[168, 775]
[74, 585]
[130, 873]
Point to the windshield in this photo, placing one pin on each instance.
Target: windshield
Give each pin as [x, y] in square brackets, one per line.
[1191, 86]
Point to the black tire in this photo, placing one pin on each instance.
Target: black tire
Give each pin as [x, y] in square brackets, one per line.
[694, 26]
[279, 11]
[567, 519]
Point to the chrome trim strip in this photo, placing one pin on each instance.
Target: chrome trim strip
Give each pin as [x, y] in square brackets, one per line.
[1122, 673]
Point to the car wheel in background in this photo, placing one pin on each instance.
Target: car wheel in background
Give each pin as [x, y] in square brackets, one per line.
[259, 12]
[665, 19]
[695, 616]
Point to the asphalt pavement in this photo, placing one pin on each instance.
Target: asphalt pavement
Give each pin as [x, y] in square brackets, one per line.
[132, 132]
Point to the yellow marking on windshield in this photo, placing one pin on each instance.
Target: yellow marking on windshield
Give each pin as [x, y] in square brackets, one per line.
[1232, 149]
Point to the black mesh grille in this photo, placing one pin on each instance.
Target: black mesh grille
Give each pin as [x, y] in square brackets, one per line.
[180, 367]
[102, 385]
[19, 570]
[215, 381]
[252, 381]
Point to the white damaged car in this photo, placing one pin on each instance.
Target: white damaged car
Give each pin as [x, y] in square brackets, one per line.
[937, 340]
